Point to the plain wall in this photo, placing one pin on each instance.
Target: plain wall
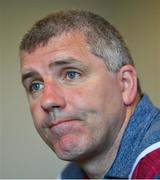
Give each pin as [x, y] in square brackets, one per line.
[1, 98]
[22, 152]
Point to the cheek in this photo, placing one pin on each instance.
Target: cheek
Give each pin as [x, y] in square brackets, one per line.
[37, 113]
[34, 109]
[104, 100]
[82, 96]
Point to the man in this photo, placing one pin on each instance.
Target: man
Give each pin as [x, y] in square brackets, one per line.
[85, 98]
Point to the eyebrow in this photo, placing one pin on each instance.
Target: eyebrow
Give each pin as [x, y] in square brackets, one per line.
[29, 75]
[65, 61]
[59, 62]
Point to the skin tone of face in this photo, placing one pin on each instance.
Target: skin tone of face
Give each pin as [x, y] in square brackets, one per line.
[79, 108]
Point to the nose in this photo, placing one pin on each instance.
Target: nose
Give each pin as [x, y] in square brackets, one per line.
[52, 98]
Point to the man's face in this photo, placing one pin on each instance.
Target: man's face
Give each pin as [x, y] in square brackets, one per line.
[76, 103]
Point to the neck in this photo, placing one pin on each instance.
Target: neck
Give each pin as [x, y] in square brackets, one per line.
[98, 166]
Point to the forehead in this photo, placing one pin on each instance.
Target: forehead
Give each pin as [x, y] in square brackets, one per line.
[73, 40]
[67, 46]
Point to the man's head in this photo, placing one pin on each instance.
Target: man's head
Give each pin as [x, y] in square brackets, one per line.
[80, 81]
[102, 38]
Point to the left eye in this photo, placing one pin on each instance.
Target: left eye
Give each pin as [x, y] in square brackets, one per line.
[71, 75]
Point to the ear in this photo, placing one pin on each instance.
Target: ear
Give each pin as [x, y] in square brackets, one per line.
[128, 83]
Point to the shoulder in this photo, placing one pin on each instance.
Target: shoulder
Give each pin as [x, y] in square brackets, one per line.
[148, 124]
[147, 164]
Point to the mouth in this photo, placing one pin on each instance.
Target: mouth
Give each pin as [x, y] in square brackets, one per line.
[60, 122]
[64, 127]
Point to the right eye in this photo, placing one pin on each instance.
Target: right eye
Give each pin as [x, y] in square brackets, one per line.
[36, 86]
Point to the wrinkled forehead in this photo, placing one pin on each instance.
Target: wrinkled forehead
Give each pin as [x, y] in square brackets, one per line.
[72, 45]
[72, 36]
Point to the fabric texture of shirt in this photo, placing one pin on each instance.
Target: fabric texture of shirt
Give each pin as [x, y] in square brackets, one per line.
[140, 145]
[148, 167]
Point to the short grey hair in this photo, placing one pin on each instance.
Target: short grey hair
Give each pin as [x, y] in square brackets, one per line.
[102, 38]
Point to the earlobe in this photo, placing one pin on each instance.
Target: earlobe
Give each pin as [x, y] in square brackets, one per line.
[128, 78]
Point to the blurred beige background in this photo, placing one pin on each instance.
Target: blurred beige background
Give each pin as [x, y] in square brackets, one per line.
[22, 153]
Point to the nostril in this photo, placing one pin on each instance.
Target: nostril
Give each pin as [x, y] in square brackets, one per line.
[49, 103]
[49, 107]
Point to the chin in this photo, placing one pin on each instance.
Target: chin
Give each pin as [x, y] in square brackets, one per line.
[75, 153]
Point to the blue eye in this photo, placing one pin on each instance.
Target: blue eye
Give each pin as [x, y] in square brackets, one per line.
[36, 86]
[71, 75]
